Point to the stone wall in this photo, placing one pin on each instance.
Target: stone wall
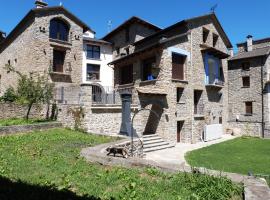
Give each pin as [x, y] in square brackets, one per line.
[32, 51]
[12, 110]
[246, 128]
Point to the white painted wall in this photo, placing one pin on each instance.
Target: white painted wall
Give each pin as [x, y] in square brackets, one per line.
[106, 72]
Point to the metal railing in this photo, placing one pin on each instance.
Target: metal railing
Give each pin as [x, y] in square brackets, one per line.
[105, 95]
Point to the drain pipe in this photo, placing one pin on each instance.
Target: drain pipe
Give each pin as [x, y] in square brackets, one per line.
[192, 108]
[262, 93]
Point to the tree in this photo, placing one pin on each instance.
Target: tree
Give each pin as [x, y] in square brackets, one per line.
[32, 90]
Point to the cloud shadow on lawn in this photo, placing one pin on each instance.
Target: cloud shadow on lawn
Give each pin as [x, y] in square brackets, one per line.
[10, 190]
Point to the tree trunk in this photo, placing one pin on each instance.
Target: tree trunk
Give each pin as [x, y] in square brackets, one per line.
[28, 111]
[48, 111]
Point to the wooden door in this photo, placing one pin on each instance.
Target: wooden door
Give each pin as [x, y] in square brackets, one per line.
[179, 129]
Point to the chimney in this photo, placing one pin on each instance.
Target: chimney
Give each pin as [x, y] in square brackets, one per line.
[40, 4]
[249, 43]
[2, 36]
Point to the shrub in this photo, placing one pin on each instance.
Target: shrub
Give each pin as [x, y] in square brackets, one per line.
[9, 96]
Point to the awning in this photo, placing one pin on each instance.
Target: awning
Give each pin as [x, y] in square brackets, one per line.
[213, 51]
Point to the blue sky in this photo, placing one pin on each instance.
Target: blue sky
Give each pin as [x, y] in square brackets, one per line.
[238, 17]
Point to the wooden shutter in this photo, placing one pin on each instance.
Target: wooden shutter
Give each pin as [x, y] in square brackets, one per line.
[178, 62]
[248, 107]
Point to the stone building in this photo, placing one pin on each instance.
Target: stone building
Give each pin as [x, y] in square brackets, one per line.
[47, 39]
[249, 91]
[179, 73]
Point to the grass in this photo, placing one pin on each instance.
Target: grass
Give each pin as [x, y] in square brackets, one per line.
[47, 165]
[20, 121]
[241, 155]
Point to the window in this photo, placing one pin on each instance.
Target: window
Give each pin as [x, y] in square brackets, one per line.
[149, 69]
[178, 62]
[92, 72]
[245, 66]
[59, 30]
[58, 60]
[127, 34]
[246, 81]
[205, 35]
[126, 74]
[249, 109]
[198, 105]
[93, 52]
[215, 39]
[179, 94]
[213, 70]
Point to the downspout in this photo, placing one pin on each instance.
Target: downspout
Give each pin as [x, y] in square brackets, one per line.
[262, 92]
[191, 64]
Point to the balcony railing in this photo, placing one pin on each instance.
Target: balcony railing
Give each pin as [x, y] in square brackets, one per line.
[215, 83]
[105, 95]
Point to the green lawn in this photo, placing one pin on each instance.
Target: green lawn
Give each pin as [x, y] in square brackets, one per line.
[46, 165]
[241, 155]
[20, 121]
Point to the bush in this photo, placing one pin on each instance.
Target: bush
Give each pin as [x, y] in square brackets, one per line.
[9, 96]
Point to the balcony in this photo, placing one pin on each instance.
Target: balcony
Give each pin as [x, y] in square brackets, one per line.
[214, 84]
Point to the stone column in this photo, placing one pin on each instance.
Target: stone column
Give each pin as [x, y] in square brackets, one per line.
[126, 114]
[86, 95]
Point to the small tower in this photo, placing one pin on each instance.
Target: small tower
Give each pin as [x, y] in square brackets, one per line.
[40, 4]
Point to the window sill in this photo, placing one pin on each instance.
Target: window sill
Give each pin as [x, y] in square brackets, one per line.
[128, 85]
[59, 73]
[60, 41]
[179, 81]
[181, 103]
[248, 114]
[96, 59]
[245, 87]
[198, 116]
[93, 81]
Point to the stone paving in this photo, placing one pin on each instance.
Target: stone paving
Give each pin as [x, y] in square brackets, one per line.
[176, 155]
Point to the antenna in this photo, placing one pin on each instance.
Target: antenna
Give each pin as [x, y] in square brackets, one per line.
[214, 8]
[109, 26]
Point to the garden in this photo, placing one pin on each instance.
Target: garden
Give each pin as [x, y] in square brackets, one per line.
[47, 165]
[244, 155]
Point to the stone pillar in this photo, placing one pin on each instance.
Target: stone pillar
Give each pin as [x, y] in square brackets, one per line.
[126, 114]
[86, 95]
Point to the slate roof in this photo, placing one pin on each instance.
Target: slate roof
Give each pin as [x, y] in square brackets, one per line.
[251, 54]
[130, 21]
[96, 40]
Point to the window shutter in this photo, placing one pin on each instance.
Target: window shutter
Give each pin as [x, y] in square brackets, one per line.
[178, 62]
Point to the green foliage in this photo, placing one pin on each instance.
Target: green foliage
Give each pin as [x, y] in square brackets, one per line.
[9, 95]
[78, 115]
[18, 121]
[241, 155]
[48, 165]
[32, 90]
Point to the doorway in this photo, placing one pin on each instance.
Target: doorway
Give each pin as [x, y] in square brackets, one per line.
[179, 130]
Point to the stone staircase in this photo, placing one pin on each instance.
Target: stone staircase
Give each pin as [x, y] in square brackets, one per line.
[154, 143]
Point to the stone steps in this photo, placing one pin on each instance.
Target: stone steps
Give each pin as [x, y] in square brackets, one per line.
[154, 143]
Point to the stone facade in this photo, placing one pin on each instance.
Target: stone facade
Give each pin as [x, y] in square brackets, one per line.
[29, 48]
[159, 95]
[13, 110]
[257, 92]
